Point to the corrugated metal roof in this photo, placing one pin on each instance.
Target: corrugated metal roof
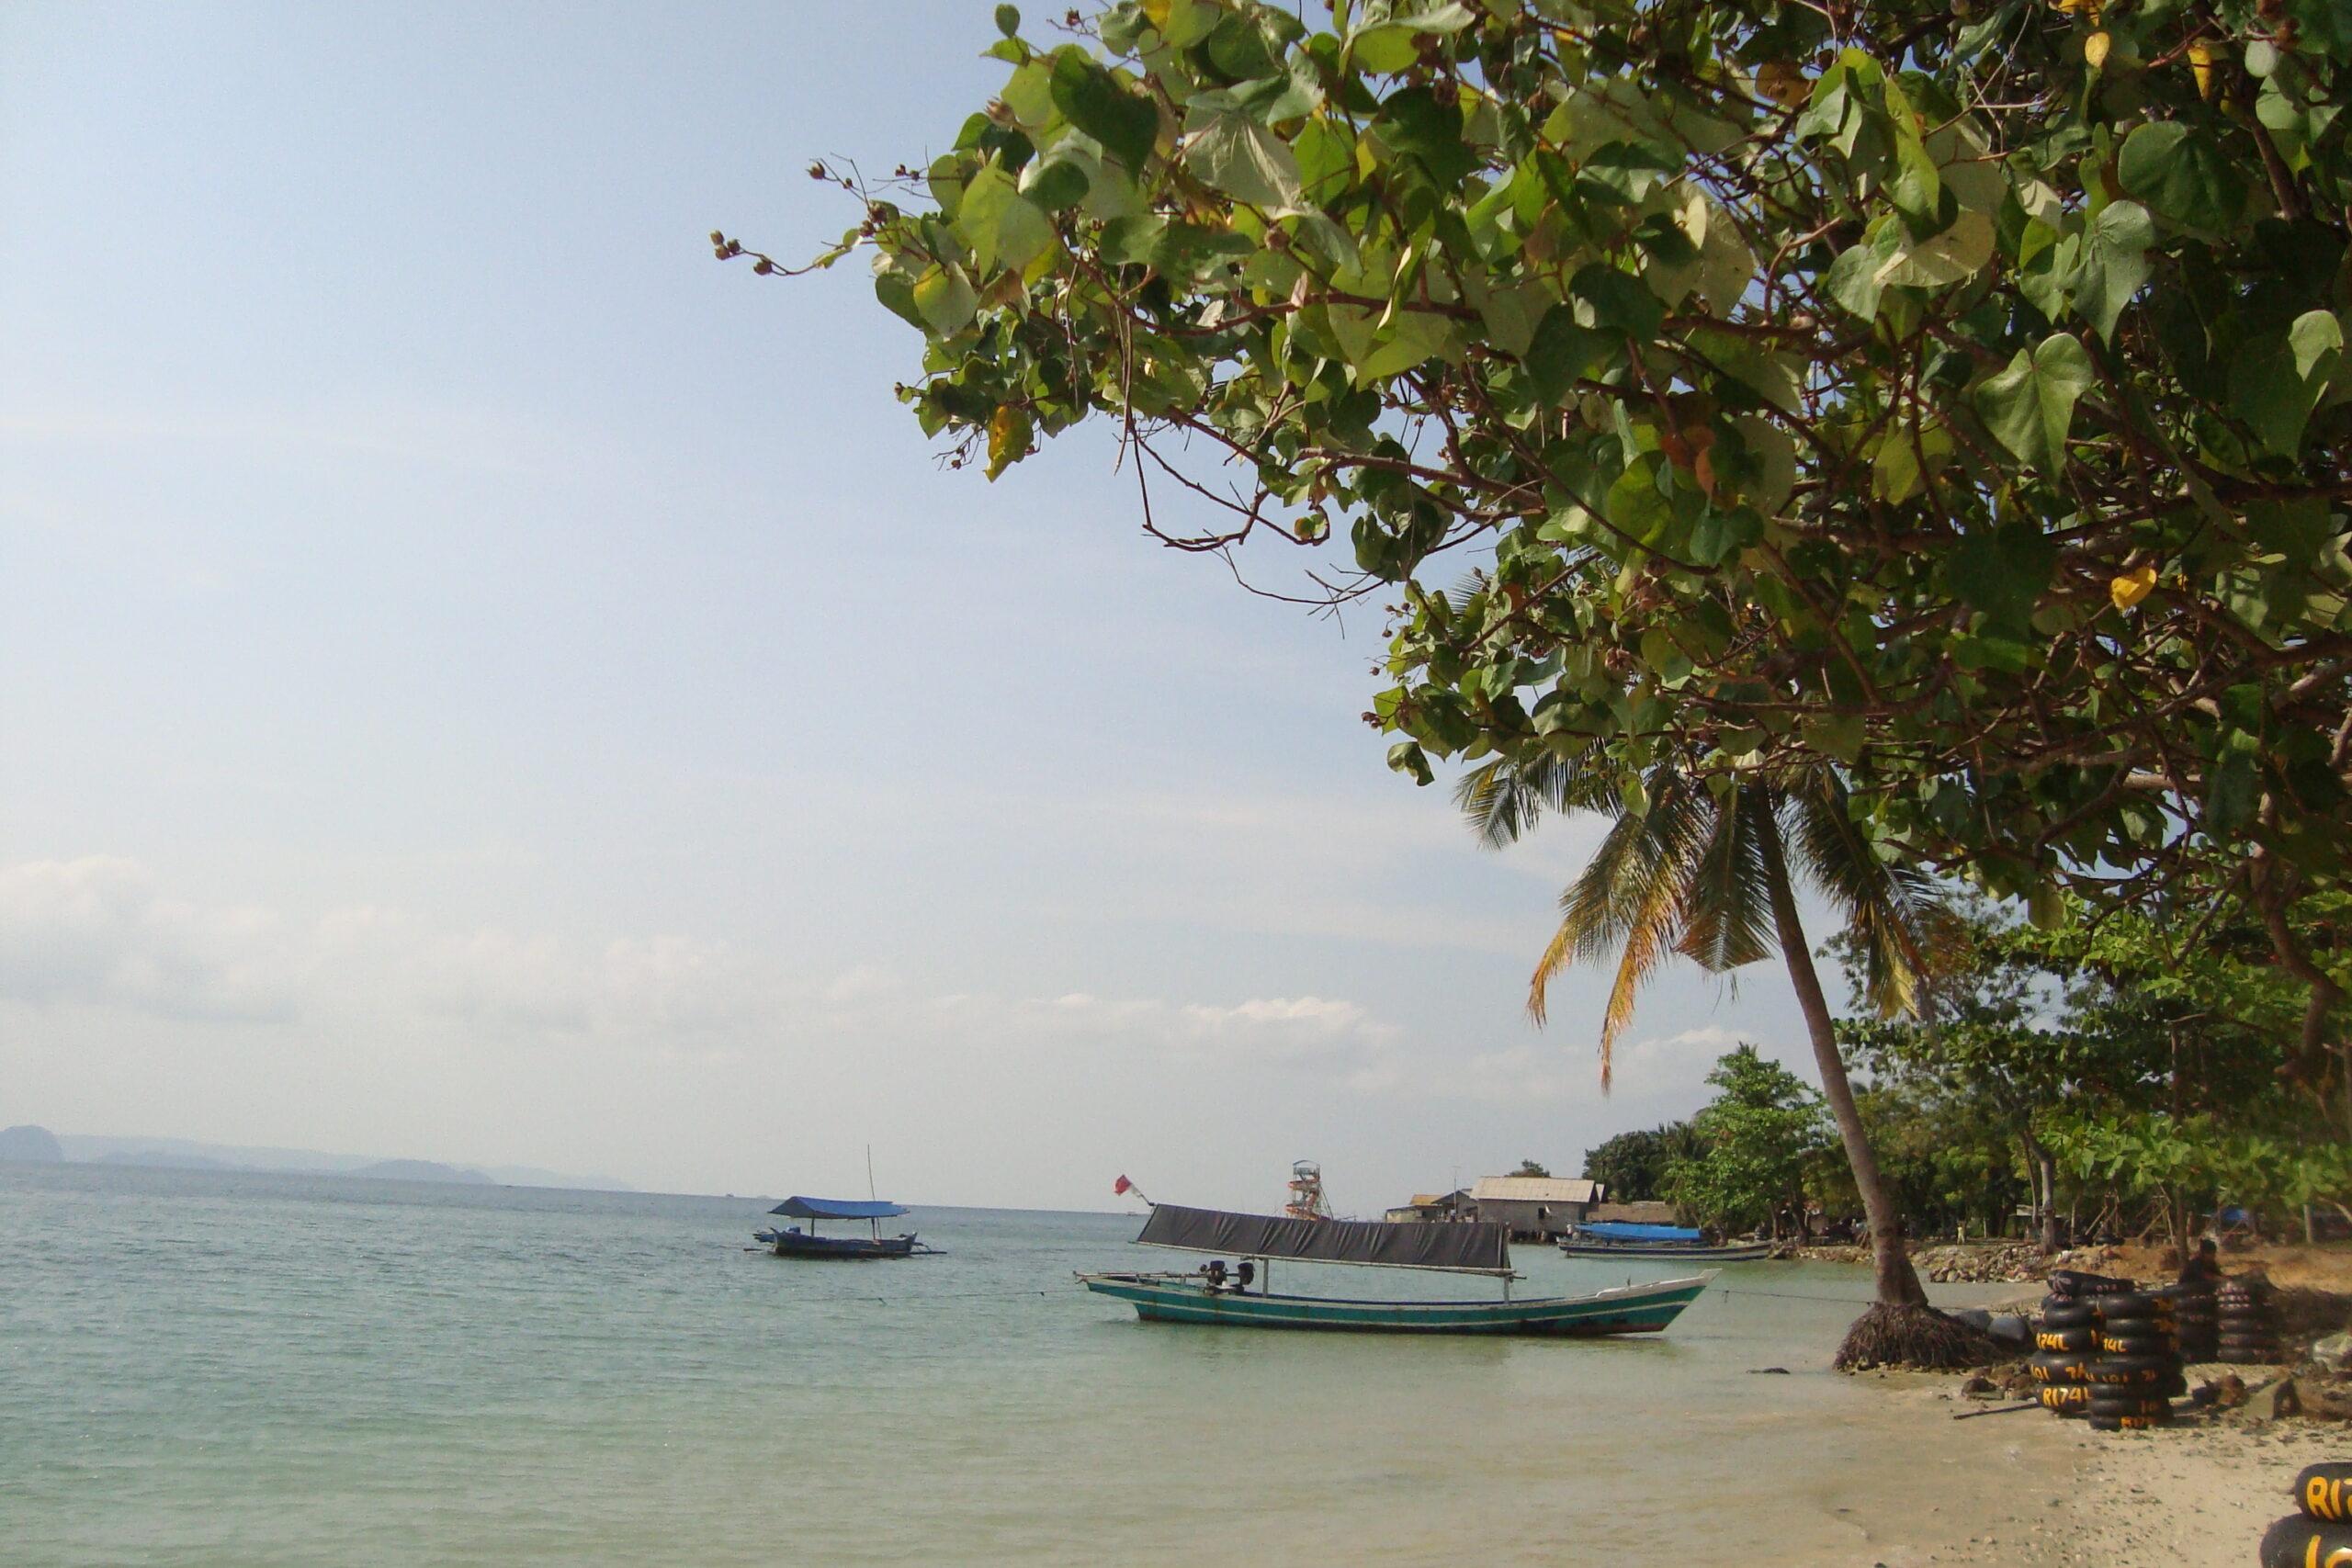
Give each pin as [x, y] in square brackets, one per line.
[1533, 1189]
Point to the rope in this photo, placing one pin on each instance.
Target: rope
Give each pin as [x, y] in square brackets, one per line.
[950, 1296]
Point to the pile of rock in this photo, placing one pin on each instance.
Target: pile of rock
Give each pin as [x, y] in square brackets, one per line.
[1997, 1263]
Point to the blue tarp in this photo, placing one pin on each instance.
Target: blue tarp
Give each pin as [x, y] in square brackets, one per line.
[1613, 1229]
[835, 1208]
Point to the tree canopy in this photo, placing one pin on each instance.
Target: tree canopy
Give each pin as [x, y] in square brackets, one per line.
[1952, 390]
[1759, 1139]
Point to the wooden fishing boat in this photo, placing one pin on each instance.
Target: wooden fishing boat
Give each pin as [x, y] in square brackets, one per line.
[797, 1243]
[1213, 1295]
[1596, 1238]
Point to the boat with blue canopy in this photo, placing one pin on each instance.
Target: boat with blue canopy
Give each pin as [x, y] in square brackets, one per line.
[797, 1243]
[1617, 1238]
[1244, 1297]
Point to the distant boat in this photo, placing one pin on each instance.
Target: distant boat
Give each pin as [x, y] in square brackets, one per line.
[1600, 1238]
[797, 1243]
[1215, 1296]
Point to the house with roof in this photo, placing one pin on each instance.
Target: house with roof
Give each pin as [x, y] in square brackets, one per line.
[1431, 1208]
[1536, 1208]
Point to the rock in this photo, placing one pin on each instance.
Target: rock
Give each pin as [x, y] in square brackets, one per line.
[2334, 1352]
[1776, 1371]
[2271, 1401]
[2224, 1392]
[2325, 1401]
[1979, 1386]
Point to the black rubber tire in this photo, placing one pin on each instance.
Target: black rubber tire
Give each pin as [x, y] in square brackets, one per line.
[2126, 1370]
[2066, 1398]
[2135, 1327]
[2296, 1541]
[2173, 1387]
[2128, 1423]
[2229, 1358]
[2059, 1368]
[2051, 1341]
[2162, 1345]
[2128, 1400]
[2247, 1341]
[2074, 1282]
[2133, 1304]
[2325, 1491]
[2065, 1312]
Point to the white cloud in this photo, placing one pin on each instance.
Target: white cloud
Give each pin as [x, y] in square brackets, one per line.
[95, 930]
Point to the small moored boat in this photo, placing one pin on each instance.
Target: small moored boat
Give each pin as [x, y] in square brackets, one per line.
[797, 1243]
[1215, 1296]
[1599, 1238]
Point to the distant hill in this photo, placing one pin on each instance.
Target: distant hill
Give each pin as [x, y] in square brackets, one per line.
[30, 1143]
[183, 1154]
[421, 1170]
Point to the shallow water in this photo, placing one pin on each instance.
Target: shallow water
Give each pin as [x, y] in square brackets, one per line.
[206, 1368]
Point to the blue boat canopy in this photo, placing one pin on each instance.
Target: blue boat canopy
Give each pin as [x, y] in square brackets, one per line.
[835, 1208]
[1615, 1230]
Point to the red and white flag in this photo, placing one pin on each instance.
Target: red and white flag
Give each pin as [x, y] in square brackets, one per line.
[1122, 1187]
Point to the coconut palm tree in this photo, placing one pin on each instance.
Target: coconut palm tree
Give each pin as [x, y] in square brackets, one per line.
[1709, 868]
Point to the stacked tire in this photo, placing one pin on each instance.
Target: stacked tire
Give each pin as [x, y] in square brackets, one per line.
[2198, 1318]
[2248, 1323]
[2322, 1528]
[2136, 1373]
[2066, 1341]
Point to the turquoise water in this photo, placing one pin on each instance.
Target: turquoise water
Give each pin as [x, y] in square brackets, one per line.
[203, 1369]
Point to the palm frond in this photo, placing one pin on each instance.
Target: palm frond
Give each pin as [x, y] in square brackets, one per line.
[1729, 917]
[1896, 915]
[1631, 897]
[1504, 799]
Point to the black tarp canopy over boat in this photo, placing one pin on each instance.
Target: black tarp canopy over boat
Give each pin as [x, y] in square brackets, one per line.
[1457, 1249]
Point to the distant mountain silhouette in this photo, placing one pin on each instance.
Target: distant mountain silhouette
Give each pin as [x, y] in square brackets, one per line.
[165, 1159]
[183, 1154]
[30, 1143]
[421, 1170]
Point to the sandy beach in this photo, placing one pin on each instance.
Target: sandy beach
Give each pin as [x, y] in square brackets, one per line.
[2197, 1495]
[2027, 1489]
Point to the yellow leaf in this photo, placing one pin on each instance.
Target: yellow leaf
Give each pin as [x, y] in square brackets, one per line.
[1009, 434]
[2200, 60]
[2131, 587]
[1780, 82]
[2095, 51]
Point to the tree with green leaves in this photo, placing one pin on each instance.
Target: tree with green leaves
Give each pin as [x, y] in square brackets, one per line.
[1758, 1139]
[1948, 393]
[1631, 1166]
[2146, 1059]
[1531, 1168]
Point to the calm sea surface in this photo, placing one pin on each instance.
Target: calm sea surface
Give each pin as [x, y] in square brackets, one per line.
[218, 1370]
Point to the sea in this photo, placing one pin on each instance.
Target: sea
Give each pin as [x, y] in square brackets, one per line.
[229, 1370]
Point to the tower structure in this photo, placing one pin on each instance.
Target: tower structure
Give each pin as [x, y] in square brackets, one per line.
[1306, 1199]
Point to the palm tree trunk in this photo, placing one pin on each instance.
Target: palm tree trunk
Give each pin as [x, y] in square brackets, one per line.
[1897, 1282]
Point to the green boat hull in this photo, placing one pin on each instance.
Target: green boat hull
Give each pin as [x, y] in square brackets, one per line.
[1633, 1309]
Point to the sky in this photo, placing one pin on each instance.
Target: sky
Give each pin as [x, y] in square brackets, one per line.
[482, 681]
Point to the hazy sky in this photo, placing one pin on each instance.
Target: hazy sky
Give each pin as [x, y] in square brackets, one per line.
[481, 681]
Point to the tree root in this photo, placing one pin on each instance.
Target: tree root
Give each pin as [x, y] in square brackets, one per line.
[1917, 1337]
